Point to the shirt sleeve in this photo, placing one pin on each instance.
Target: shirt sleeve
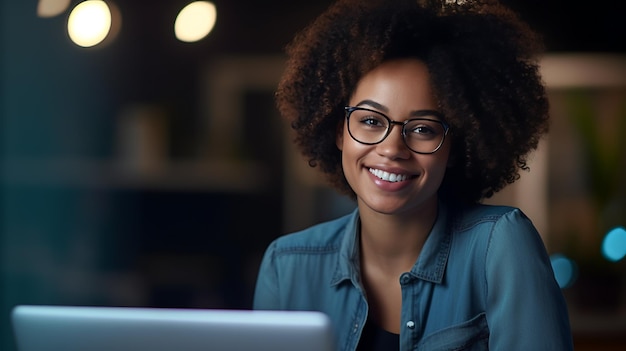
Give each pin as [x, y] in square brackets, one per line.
[266, 294]
[526, 309]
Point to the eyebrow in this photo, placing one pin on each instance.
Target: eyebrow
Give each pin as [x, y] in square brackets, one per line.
[373, 104]
[416, 113]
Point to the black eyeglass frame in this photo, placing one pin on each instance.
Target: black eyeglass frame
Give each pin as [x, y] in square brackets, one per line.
[446, 127]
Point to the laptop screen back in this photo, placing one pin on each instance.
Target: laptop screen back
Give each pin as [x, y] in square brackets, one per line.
[80, 328]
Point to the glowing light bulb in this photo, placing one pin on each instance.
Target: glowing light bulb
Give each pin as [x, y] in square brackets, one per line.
[195, 21]
[89, 23]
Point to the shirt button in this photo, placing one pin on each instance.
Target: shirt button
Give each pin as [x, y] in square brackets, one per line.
[410, 324]
[405, 278]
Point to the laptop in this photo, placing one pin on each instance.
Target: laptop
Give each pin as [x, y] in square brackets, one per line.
[81, 328]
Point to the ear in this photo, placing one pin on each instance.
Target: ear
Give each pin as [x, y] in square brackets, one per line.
[339, 135]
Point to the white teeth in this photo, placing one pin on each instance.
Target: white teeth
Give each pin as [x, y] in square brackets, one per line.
[389, 177]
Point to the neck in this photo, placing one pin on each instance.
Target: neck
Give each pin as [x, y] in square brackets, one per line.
[395, 240]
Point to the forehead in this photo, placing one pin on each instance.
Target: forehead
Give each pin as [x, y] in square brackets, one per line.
[401, 85]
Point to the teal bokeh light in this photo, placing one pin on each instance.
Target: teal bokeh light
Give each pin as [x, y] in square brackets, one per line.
[565, 270]
[614, 244]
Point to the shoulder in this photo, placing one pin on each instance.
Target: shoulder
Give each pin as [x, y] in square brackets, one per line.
[495, 228]
[501, 239]
[479, 215]
[505, 235]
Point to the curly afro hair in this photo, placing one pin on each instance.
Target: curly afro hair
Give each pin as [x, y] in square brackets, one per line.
[483, 64]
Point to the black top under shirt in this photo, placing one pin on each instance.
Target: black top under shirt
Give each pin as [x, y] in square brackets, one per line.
[375, 338]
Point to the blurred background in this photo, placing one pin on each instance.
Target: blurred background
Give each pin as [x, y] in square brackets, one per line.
[146, 165]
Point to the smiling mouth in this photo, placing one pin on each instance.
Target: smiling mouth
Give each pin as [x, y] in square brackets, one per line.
[389, 177]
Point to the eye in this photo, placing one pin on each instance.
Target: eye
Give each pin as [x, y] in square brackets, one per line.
[424, 129]
[372, 121]
[369, 119]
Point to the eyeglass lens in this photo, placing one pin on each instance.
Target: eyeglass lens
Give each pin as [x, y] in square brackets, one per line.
[422, 135]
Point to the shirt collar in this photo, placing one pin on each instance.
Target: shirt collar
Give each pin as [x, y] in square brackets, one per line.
[430, 266]
[348, 264]
[432, 262]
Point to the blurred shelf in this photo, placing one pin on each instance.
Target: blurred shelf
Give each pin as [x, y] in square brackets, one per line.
[209, 175]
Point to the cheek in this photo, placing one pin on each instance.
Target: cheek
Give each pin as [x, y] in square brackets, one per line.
[442, 168]
[447, 149]
[438, 165]
[352, 155]
[350, 148]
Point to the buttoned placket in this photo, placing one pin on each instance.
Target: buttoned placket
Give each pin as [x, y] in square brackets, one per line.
[409, 322]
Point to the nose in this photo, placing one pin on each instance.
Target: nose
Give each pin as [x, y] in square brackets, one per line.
[393, 146]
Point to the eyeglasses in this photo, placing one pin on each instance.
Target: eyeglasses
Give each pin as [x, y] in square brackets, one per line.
[423, 135]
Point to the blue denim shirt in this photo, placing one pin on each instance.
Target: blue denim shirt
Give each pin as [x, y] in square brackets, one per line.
[483, 281]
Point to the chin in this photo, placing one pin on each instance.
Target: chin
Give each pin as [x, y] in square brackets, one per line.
[385, 206]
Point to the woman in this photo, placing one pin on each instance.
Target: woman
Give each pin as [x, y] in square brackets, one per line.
[418, 110]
